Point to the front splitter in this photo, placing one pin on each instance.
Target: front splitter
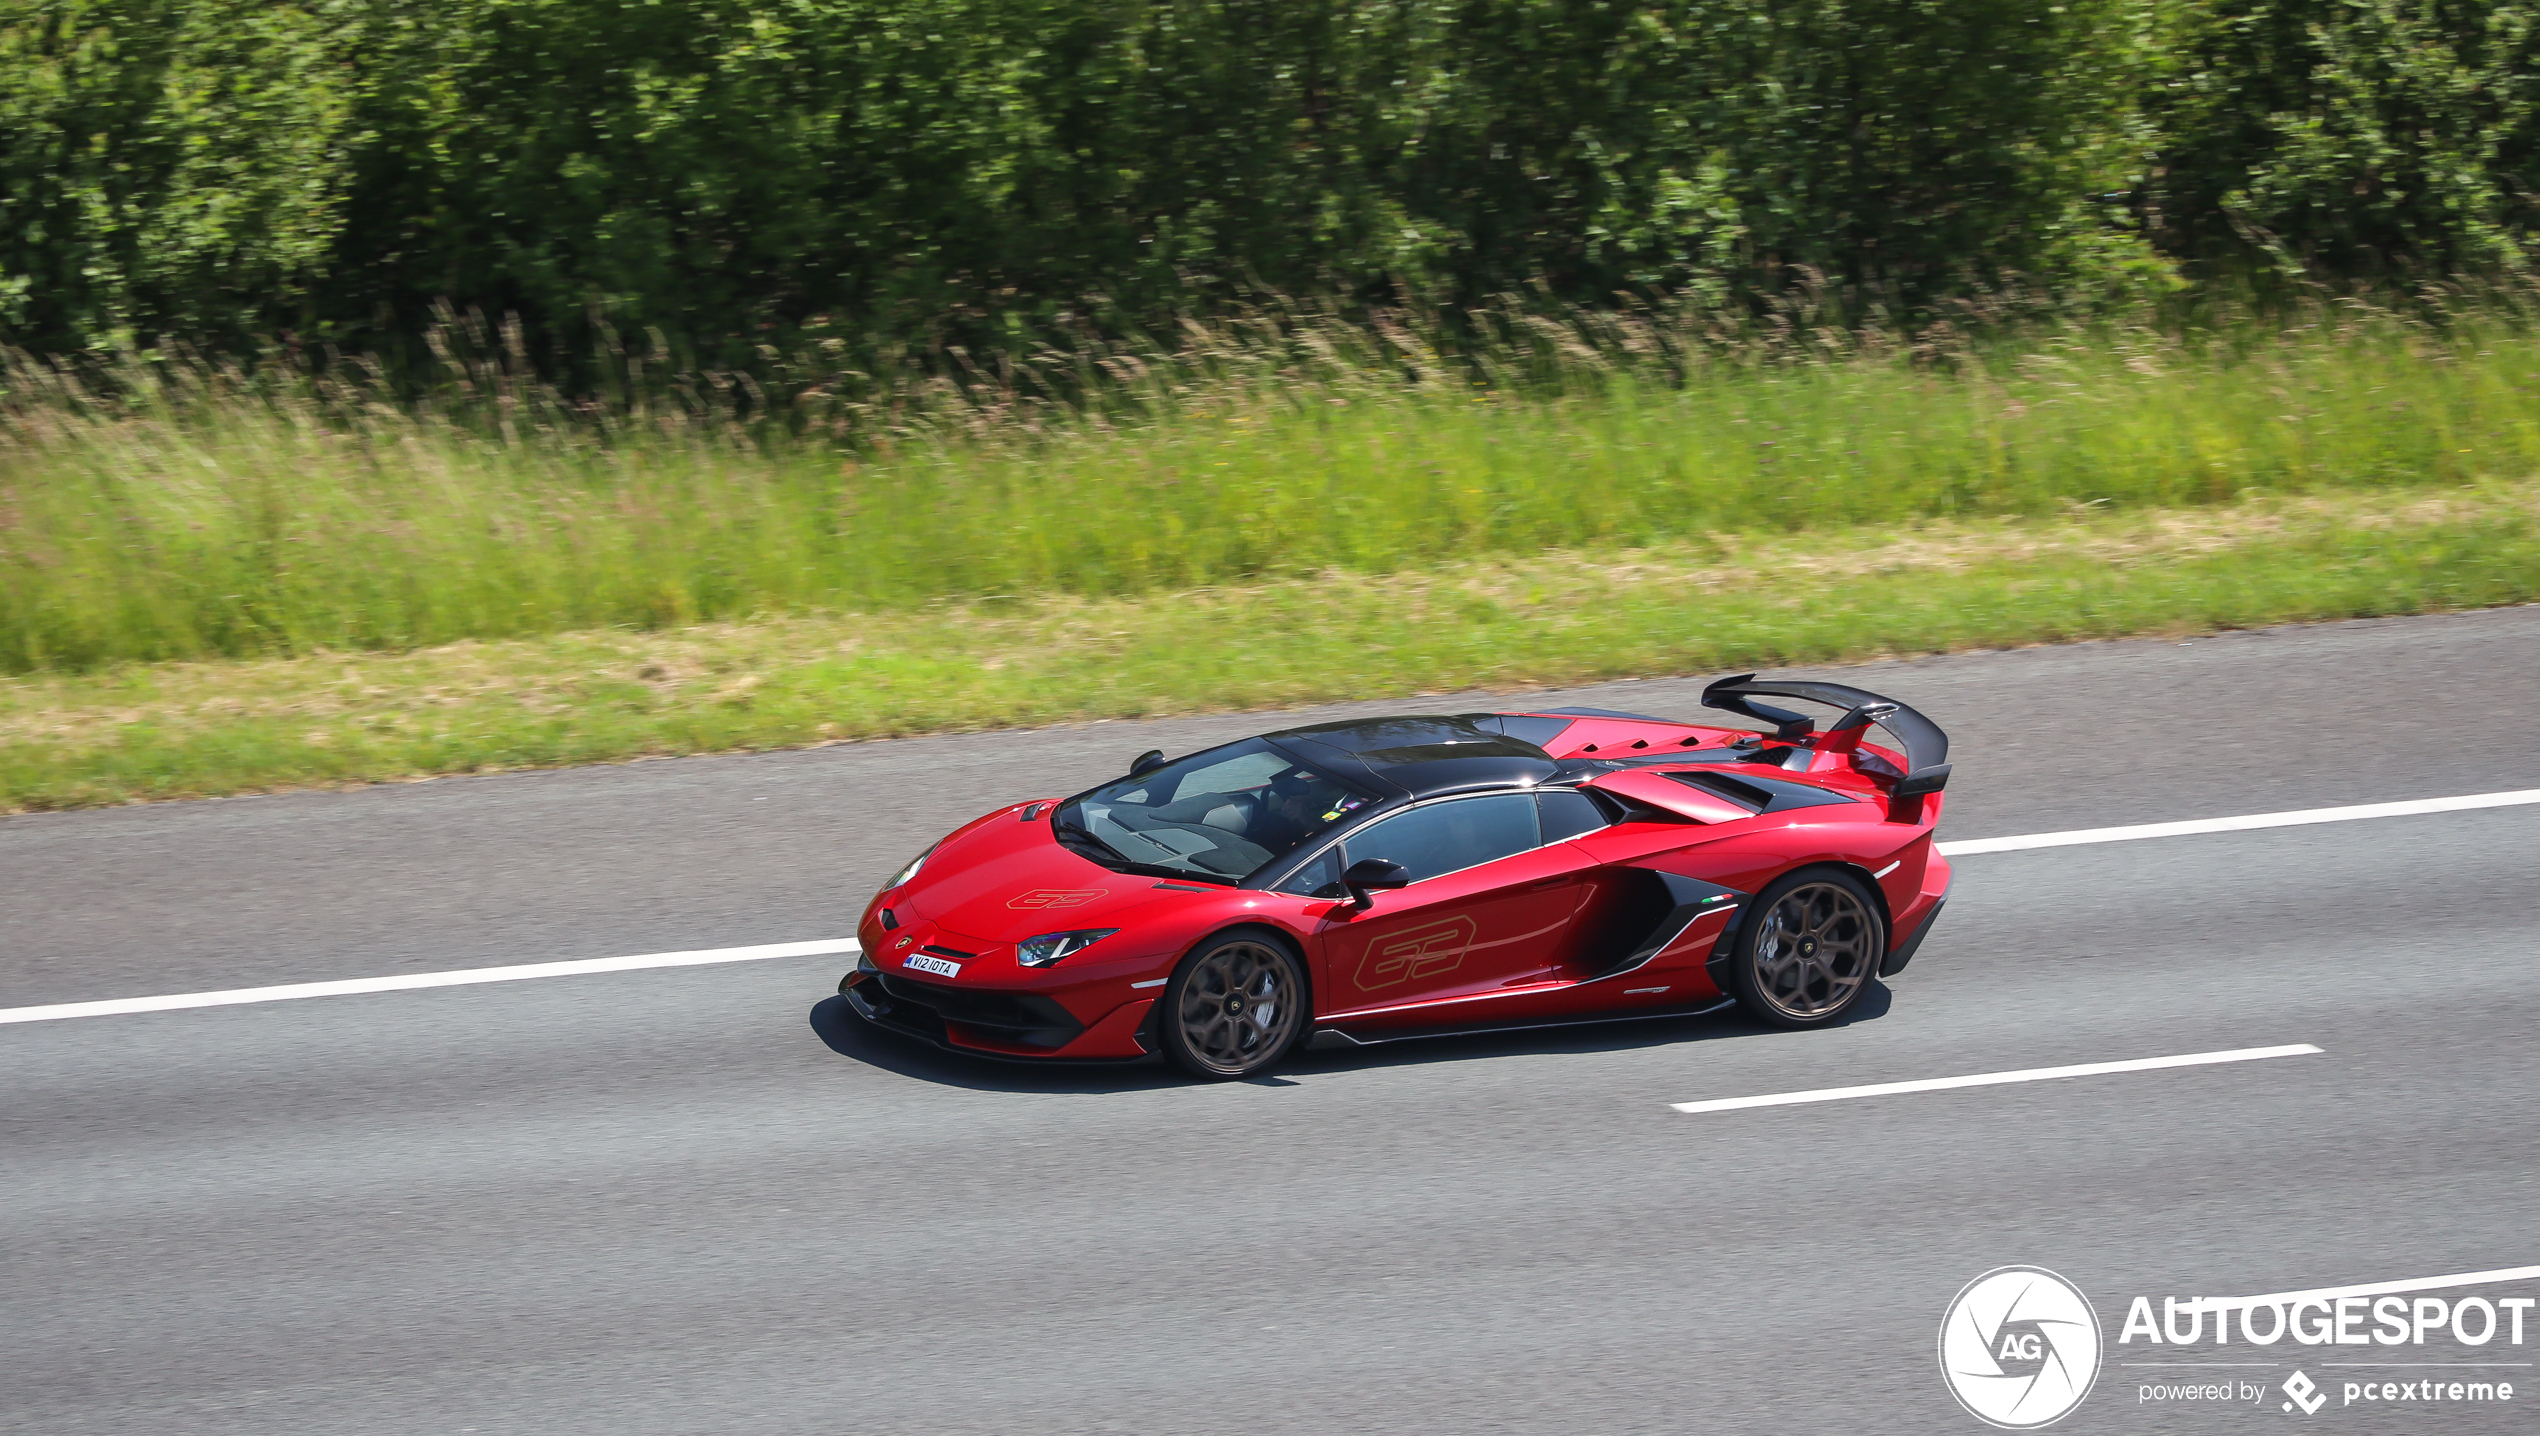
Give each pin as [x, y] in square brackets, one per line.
[863, 1008]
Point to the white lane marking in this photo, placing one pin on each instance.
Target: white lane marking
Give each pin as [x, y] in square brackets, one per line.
[1988, 1079]
[407, 981]
[2410, 808]
[465, 976]
[2374, 1288]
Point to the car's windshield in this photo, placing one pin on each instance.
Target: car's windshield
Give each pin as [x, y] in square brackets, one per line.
[1219, 814]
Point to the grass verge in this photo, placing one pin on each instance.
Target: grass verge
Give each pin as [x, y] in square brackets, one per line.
[193, 516]
[1719, 602]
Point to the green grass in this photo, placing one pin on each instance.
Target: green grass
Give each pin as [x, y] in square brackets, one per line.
[208, 586]
[1728, 601]
[204, 518]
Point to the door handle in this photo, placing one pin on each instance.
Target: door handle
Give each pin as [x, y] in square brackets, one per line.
[1541, 883]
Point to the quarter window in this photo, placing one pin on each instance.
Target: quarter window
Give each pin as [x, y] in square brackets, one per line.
[1567, 812]
[1320, 877]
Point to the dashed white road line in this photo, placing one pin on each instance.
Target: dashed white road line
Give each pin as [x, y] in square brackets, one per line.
[1988, 1079]
[463, 977]
[405, 982]
[2408, 809]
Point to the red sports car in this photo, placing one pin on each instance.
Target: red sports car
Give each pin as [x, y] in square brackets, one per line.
[1397, 877]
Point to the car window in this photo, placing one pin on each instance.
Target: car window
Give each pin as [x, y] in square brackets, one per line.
[1567, 812]
[1449, 837]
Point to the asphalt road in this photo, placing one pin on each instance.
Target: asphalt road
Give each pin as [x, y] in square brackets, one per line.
[692, 1200]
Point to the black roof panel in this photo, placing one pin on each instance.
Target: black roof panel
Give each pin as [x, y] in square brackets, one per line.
[1366, 735]
[1424, 755]
[1535, 729]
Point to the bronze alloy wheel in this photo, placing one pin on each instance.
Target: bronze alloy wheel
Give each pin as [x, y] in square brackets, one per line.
[1234, 1008]
[1811, 951]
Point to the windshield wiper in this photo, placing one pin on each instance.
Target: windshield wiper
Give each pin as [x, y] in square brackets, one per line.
[1080, 830]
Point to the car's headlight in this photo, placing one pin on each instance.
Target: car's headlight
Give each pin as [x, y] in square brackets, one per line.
[911, 870]
[1049, 947]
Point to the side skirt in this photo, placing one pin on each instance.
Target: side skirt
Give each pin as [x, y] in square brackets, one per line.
[1327, 1038]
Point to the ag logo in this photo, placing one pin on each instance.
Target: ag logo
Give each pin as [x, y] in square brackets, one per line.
[1056, 897]
[1423, 952]
[2019, 1348]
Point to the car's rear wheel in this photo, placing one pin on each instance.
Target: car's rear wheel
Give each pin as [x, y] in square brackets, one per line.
[1234, 1007]
[1808, 948]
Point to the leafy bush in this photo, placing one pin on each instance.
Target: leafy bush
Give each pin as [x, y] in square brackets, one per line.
[168, 167]
[883, 175]
[2372, 138]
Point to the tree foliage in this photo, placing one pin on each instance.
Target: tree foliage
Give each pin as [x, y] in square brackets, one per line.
[737, 175]
[2373, 138]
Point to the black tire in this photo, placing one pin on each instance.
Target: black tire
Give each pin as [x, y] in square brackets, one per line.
[1808, 947]
[1235, 1006]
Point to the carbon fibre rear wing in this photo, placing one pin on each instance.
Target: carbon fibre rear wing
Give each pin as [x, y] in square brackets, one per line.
[1926, 747]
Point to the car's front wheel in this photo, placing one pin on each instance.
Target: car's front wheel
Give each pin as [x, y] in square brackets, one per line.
[1234, 1006]
[1807, 949]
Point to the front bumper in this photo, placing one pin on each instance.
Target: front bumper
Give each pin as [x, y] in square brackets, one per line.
[989, 1023]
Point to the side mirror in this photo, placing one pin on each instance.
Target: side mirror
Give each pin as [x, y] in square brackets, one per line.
[1373, 874]
[1146, 762]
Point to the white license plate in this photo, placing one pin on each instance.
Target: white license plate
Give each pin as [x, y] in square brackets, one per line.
[935, 965]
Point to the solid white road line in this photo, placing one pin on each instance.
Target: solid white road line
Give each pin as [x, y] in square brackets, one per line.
[2236, 825]
[465, 976]
[1988, 1079]
[408, 981]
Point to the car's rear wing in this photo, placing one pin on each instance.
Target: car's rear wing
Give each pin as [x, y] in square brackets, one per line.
[1926, 747]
